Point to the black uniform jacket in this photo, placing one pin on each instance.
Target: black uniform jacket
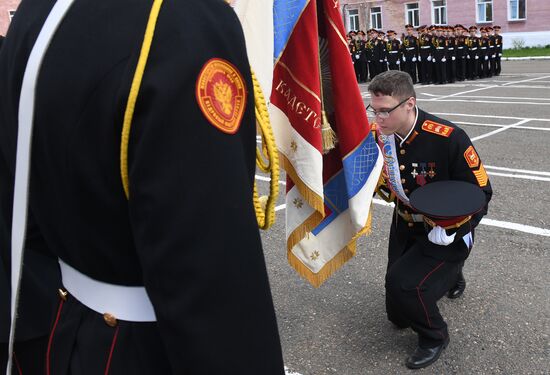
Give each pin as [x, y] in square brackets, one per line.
[438, 150]
[188, 232]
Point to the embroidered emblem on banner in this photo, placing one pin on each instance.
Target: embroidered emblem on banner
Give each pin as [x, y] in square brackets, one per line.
[471, 157]
[221, 94]
[481, 176]
[435, 128]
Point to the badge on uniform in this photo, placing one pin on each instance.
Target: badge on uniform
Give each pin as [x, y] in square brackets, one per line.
[221, 94]
[471, 157]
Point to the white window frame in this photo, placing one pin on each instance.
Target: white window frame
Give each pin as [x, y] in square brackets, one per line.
[439, 7]
[11, 13]
[484, 3]
[372, 14]
[353, 19]
[509, 4]
[412, 11]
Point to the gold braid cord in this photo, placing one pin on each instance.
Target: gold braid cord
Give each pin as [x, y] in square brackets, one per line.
[265, 205]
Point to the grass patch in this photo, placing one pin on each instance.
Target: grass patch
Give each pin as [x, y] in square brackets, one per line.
[527, 52]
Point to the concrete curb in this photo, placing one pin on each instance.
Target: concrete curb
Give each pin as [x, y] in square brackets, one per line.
[525, 58]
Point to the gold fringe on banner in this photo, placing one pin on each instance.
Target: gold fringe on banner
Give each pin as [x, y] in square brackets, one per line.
[317, 279]
[303, 229]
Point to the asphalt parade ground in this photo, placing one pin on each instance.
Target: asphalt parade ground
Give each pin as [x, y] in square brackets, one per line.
[501, 325]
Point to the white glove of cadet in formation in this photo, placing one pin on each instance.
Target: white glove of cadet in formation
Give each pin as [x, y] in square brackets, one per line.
[438, 236]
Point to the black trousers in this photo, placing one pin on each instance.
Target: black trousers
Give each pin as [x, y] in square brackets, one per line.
[82, 343]
[373, 69]
[440, 71]
[497, 65]
[29, 357]
[425, 70]
[472, 68]
[417, 277]
[410, 67]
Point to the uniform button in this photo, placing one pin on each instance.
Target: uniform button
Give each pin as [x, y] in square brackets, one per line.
[62, 294]
[407, 191]
[403, 180]
[401, 167]
[410, 225]
[109, 319]
[402, 152]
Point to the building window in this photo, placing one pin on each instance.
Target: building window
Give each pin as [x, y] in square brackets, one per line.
[413, 15]
[484, 11]
[516, 10]
[376, 17]
[353, 17]
[439, 11]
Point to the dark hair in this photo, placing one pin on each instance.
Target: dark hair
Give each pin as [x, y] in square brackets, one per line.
[393, 83]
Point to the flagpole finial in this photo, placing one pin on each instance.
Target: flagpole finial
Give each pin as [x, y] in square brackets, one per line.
[329, 136]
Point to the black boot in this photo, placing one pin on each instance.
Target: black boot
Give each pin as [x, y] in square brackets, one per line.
[458, 289]
[423, 357]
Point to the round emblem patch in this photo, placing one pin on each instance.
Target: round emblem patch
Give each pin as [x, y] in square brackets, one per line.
[221, 94]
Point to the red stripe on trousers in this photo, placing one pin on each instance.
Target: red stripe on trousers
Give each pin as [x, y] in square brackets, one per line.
[420, 296]
[108, 366]
[51, 337]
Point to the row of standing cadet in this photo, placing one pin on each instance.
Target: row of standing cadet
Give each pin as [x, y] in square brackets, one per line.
[437, 55]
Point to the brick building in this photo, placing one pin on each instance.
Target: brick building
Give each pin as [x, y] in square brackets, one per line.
[521, 20]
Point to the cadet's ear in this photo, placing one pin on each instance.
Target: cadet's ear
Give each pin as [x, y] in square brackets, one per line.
[411, 103]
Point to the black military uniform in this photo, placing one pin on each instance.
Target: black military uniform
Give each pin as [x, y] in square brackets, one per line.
[472, 42]
[483, 67]
[461, 53]
[188, 232]
[425, 57]
[381, 53]
[451, 55]
[410, 53]
[363, 64]
[369, 53]
[420, 272]
[492, 51]
[439, 43]
[393, 51]
[498, 50]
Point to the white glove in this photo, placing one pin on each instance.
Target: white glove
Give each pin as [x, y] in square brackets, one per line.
[404, 59]
[429, 58]
[486, 57]
[443, 59]
[438, 236]
[381, 60]
[398, 62]
[468, 57]
[477, 57]
[500, 54]
[453, 58]
[414, 59]
[419, 59]
[493, 56]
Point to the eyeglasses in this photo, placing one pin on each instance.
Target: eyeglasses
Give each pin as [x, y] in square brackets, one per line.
[383, 114]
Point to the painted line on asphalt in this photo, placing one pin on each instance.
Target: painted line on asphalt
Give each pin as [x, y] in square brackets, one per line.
[498, 125]
[517, 170]
[499, 130]
[489, 222]
[494, 97]
[490, 116]
[478, 101]
[524, 177]
[288, 372]
[488, 87]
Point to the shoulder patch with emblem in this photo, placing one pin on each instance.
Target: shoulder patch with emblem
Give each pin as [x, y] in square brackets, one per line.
[471, 157]
[436, 128]
[221, 94]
